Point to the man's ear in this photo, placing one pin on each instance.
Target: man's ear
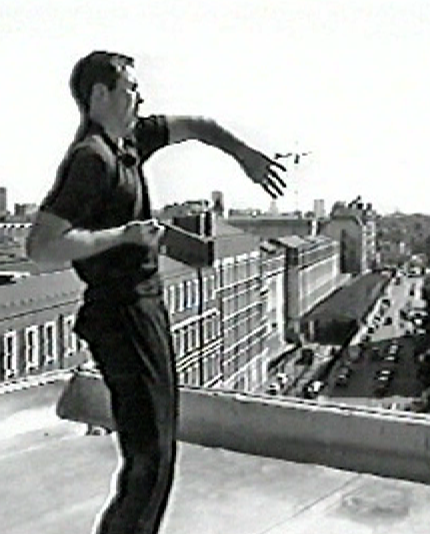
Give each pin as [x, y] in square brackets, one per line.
[99, 92]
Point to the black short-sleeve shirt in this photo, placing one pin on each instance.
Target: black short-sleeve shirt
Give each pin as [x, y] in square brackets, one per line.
[100, 186]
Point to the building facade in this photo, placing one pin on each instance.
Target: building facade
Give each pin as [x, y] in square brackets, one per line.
[13, 236]
[37, 315]
[354, 227]
[311, 275]
[273, 226]
[218, 312]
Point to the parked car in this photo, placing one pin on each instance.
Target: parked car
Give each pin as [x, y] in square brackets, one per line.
[283, 380]
[391, 358]
[313, 389]
[388, 320]
[274, 389]
[393, 348]
[383, 375]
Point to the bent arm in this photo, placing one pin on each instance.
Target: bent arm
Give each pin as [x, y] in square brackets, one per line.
[257, 166]
[208, 131]
[53, 240]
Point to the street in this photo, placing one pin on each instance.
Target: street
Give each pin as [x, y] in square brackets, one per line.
[389, 350]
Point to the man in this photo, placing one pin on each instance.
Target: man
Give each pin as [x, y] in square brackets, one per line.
[98, 217]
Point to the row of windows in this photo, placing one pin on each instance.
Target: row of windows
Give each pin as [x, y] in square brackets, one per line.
[248, 377]
[235, 302]
[186, 338]
[202, 373]
[185, 295]
[252, 310]
[40, 346]
[243, 351]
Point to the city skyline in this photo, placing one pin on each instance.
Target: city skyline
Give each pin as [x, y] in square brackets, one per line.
[347, 83]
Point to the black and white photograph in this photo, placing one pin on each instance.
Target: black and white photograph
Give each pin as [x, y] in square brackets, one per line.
[215, 267]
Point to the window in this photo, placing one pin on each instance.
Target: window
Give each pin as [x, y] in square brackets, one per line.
[189, 301]
[32, 348]
[193, 336]
[205, 289]
[210, 287]
[178, 299]
[195, 376]
[181, 296]
[69, 337]
[214, 286]
[181, 341]
[189, 337]
[10, 349]
[50, 349]
[196, 293]
[208, 329]
[172, 299]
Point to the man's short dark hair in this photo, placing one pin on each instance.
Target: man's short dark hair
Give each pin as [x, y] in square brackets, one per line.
[97, 67]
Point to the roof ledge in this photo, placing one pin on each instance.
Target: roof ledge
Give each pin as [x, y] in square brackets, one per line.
[393, 444]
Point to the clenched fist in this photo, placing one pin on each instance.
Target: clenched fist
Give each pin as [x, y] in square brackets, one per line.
[145, 233]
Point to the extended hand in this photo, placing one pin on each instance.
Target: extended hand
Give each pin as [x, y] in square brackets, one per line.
[144, 233]
[263, 170]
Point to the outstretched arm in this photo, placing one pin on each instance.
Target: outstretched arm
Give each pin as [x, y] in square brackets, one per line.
[258, 167]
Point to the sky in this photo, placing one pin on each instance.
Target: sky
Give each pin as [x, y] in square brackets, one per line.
[347, 80]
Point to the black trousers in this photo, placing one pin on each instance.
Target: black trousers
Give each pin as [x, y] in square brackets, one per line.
[132, 345]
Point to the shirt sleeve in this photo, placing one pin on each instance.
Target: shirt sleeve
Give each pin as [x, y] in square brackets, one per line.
[151, 133]
[79, 193]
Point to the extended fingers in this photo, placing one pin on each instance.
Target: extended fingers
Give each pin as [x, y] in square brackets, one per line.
[275, 176]
[277, 164]
[272, 187]
[266, 187]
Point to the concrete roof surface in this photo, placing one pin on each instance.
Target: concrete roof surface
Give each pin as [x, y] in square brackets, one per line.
[55, 479]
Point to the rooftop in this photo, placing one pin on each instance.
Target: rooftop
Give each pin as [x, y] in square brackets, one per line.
[351, 301]
[217, 490]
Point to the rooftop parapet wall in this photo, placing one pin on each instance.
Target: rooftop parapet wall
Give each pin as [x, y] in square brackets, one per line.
[368, 440]
[394, 444]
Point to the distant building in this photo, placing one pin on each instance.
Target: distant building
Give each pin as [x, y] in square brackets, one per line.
[243, 212]
[354, 226]
[37, 314]
[311, 275]
[13, 237]
[3, 202]
[392, 252]
[189, 207]
[23, 212]
[218, 316]
[273, 208]
[273, 226]
[319, 208]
